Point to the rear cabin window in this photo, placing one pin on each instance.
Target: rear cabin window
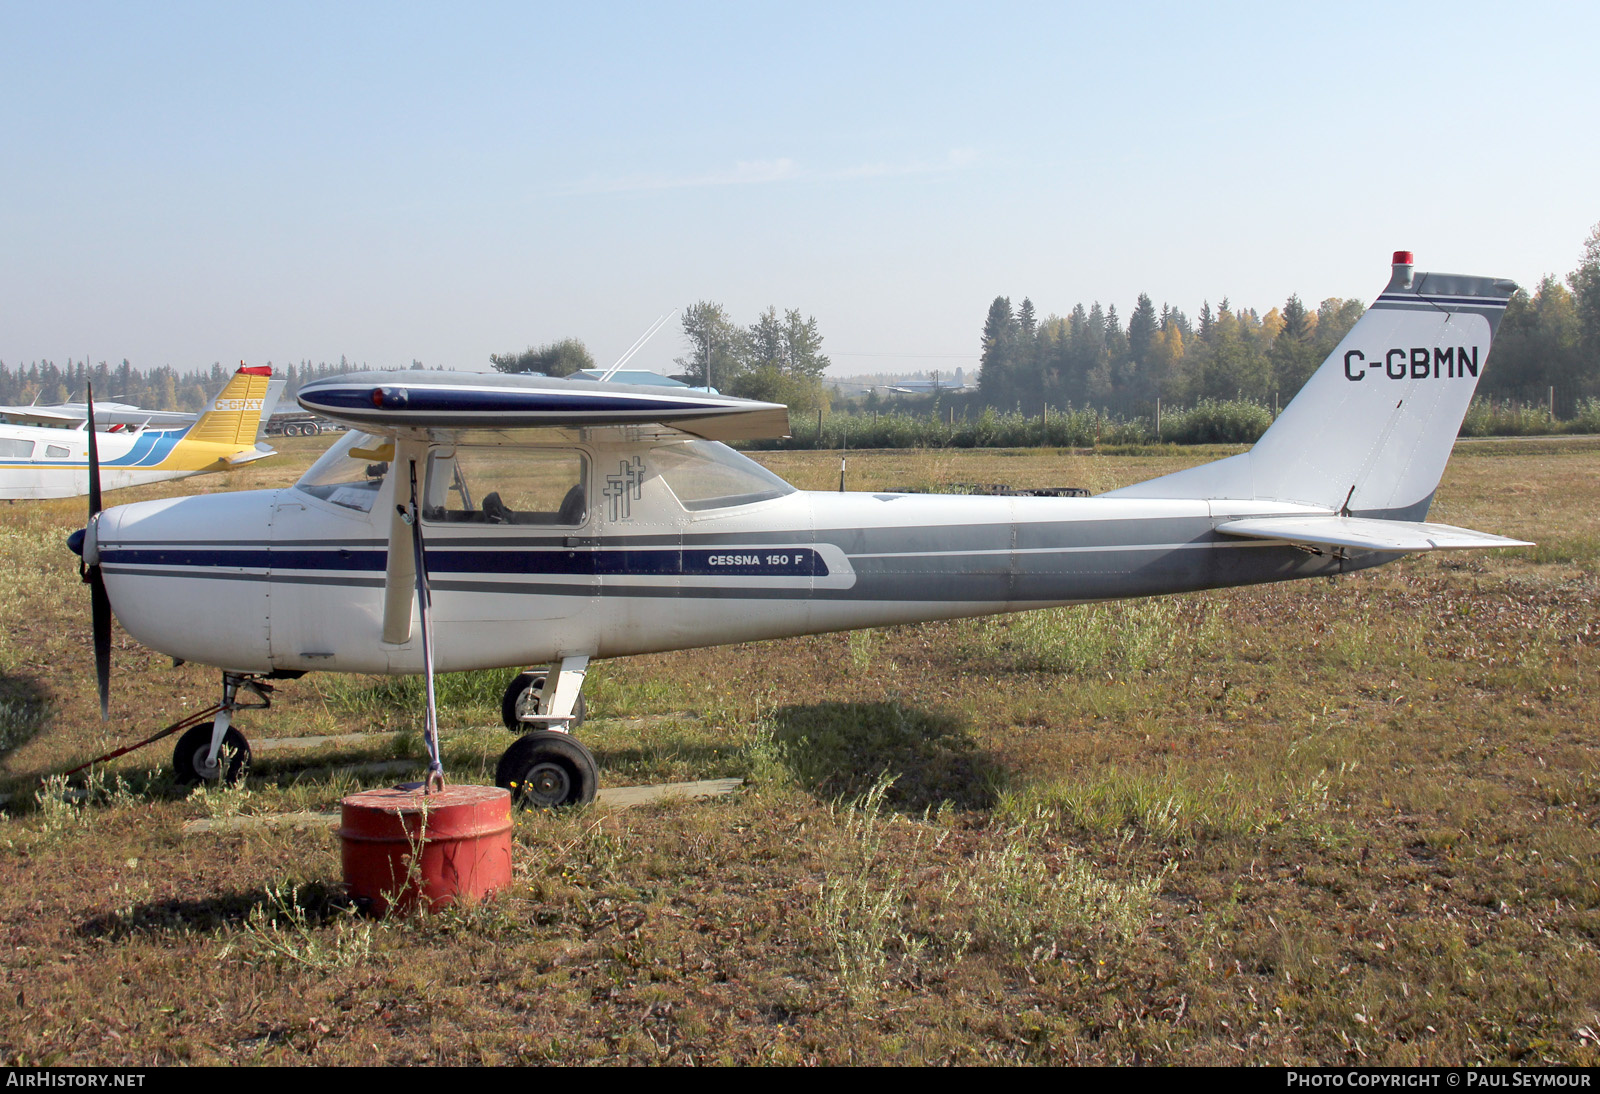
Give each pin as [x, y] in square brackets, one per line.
[16, 450]
[709, 475]
[57, 451]
[490, 484]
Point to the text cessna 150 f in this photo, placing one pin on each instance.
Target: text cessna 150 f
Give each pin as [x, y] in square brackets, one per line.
[54, 463]
[475, 522]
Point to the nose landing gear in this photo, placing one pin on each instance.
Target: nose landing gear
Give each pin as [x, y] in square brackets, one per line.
[547, 766]
[207, 753]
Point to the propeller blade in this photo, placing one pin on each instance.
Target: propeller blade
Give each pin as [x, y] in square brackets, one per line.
[99, 602]
[94, 456]
[100, 611]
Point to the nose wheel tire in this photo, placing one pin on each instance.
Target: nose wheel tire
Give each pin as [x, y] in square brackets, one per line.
[522, 697]
[546, 770]
[189, 758]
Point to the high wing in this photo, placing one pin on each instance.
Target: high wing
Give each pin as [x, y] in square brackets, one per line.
[42, 415]
[1365, 533]
[390, 402]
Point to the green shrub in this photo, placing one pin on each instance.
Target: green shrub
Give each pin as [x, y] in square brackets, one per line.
[1486, 418]
[1237, 421]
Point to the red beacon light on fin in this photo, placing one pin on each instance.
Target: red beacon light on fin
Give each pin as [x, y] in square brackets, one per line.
[1402, 277]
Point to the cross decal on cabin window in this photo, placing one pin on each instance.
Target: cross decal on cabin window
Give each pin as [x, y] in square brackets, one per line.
[624, 488]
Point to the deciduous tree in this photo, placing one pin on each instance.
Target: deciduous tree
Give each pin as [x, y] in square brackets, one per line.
[561, 358]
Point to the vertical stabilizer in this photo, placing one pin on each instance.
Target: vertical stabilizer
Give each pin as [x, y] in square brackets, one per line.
[1369, 433]
[235, 413]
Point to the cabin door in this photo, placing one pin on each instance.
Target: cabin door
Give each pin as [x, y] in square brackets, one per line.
[510, 551]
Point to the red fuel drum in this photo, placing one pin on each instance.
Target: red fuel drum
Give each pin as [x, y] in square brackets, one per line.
[402, 847]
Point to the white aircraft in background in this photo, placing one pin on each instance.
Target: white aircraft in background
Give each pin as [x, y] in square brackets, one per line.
[477, 522]
[54, 463]
[925, 387]
[107, 413]
[121, 415]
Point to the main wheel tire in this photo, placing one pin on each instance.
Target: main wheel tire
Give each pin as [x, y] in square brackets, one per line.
[522, 697]
[546, 770]
[189, 758]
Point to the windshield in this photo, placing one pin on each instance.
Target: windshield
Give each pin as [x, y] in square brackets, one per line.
[710, 475]
[350, 472]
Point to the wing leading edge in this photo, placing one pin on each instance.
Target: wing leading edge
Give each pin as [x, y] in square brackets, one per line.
[1366, 533]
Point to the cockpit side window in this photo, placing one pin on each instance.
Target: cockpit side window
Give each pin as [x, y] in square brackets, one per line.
[494, 484]
[350, 472]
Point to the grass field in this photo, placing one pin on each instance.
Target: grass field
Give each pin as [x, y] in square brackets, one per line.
[1347, 821]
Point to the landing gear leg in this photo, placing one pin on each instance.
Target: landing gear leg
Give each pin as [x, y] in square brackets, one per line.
[548, 767]
[522, 698]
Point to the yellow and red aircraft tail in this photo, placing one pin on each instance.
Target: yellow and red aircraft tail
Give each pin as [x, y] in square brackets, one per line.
[235, 414]
[226, 433]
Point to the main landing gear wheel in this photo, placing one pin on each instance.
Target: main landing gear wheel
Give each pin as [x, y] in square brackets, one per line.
[547, 769]
[189, 758]
[522, 697]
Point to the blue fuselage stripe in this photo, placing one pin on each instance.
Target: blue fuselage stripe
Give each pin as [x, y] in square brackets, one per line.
[693, 562]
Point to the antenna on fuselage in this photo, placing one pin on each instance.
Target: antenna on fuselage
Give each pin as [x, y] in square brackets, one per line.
[639, 345]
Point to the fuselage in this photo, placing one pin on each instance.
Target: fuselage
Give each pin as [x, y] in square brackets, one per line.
[38, 462]
[656, 544]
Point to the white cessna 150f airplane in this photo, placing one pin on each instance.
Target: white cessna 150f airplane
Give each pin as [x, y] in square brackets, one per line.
[474, 522]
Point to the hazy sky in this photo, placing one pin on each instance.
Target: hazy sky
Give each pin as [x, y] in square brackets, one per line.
[184, 184]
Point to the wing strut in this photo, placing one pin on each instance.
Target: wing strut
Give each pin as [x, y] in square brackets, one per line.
[419, 555]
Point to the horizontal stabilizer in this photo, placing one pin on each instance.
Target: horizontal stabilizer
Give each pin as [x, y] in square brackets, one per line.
[260, 452]
[1366, 533]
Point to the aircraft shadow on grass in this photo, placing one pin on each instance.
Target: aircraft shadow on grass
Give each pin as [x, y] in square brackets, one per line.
[708, 761]
[839, 750]
[24, 710]
[314, 903]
